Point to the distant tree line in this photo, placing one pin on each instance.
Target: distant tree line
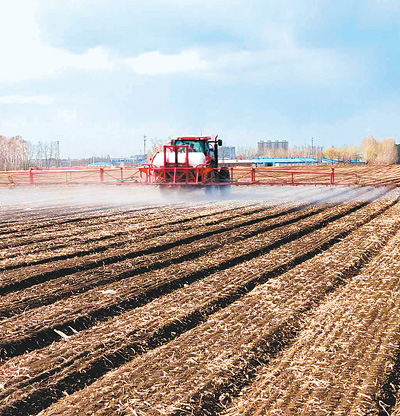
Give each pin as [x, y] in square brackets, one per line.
[343, 154]
[379, 152]
[371, 151]
[17, 153]
[44, 154]
[14, 153]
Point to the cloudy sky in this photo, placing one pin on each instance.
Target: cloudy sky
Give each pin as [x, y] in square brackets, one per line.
[97, 74]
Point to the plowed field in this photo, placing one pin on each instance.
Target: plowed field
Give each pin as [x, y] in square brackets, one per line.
[274, 303]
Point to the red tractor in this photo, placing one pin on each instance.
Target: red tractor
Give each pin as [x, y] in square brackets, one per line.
[187, 161]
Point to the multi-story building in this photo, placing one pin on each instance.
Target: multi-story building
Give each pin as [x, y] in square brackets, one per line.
[227, 152]
[264, 146]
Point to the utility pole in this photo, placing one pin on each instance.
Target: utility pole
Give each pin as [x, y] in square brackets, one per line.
[144, 146]
[57, 153]
[312, 146]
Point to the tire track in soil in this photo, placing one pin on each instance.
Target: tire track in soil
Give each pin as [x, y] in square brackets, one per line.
[260, 354]
[90, 264]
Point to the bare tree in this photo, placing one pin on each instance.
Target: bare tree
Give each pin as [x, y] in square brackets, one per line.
[16, 153]
[369, 149]
[387, 152]
[382, 152]
[13, 153]
[246, 152]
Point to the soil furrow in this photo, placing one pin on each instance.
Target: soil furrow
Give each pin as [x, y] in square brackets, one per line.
[53, 290]
[196, 370]
[57, 231]
[17, 244]
[126, 228]
[344, 369]
[388, 398]
[157, 219]
[14, 280]
[64, 314]
[141, 290]
[20, 228]
[73, 367]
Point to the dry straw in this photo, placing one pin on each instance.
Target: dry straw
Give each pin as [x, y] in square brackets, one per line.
[190, 369]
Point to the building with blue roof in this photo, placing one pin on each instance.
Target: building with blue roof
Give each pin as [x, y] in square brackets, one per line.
[283, 161]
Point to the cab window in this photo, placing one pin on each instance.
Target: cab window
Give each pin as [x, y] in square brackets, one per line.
[197, 146]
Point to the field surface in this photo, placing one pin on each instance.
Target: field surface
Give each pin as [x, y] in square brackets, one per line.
[281, 301]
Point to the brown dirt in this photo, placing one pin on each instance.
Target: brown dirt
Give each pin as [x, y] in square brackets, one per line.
[191, 309]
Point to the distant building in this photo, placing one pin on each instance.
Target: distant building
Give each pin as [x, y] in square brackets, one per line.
[283, 161]
[264, 146]
[99, 164]
[65, 163]
[138, 159]
[230, 163]
[118, 162]
[227, 152]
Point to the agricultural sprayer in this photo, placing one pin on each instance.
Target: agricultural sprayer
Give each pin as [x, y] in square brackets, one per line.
[187, 161]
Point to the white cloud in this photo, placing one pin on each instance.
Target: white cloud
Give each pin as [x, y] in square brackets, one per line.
[23, 54]
[155, 63]
[286, 66]
[272, 66]
[26, 99]
[276, 61]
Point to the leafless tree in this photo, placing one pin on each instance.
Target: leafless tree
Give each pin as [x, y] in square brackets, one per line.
[246, 152]
[13, 153]
[379, 152]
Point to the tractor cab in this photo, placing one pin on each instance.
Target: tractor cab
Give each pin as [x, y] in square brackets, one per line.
[194, 145]
[204, 144]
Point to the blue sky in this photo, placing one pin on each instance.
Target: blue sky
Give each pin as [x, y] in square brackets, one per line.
[98, 75]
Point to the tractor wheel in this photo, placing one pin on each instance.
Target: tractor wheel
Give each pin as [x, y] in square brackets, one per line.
[224, 175]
